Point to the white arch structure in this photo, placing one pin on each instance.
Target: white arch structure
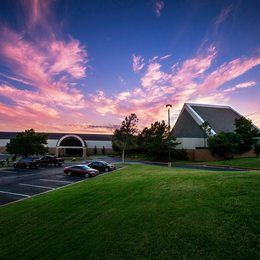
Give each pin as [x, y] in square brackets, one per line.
[83, 147]
[74, 136]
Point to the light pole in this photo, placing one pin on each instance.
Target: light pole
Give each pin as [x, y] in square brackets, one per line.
[169, 106]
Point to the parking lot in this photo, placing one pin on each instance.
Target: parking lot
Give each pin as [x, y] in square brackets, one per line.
[17, 184]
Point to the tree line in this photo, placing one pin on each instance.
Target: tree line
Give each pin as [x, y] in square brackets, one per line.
[153, 142]
[243, 139]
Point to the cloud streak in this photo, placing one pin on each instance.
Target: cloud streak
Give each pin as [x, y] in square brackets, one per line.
[248, 84]
[192, 80]
[44, 71]
[47, 66]
[138, 63]
[223, 15]
[158, 7]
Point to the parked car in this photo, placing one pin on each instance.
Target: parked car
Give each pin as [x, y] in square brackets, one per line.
[102, 166]
[4, 159]
[2, 162]
[51, 160]
[81, 170]
[28, 162]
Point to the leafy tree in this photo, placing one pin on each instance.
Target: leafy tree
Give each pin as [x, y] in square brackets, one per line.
[155, 140]
[223, 144]
[246, 132]
[125, 135]
[206, 128]
[241, 141]
[95, 150]
[28, 143]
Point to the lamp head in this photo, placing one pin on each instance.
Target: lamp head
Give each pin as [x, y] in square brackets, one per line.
[168, 105]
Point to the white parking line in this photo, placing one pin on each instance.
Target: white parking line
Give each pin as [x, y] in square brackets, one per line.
[7, 171]
[16, 194]
[57, 181]
[36, 186]
[60, 176]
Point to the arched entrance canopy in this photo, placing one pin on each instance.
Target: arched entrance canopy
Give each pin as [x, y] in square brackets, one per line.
[83, 145]
[73, 136]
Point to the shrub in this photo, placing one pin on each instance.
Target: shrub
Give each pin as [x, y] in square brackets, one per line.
[223, 144]
[257, 149]
[180, 154]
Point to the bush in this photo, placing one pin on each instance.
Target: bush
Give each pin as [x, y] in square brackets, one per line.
[257, 149]
[246, 132]
[223, 144]
[180, 154]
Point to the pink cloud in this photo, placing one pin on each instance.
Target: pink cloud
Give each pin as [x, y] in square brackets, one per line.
[158, 6]
[228, 71]
[255, 117]
[188, 81]
[69, 57]
[223, 15]
[248, 84]
[51, 67]
[154, 76]
[165, 57]
[138, 63]
[38, 13]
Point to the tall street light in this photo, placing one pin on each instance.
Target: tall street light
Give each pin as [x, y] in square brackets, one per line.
[169, 106]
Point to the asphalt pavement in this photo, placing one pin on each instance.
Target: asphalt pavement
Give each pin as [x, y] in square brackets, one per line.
[17, 184]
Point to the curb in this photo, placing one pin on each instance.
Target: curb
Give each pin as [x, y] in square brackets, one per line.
[223, 166]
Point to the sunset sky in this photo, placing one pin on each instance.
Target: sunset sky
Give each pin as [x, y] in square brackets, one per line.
[82, 66]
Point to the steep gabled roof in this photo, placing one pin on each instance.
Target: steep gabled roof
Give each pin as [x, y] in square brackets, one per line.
[220, 118]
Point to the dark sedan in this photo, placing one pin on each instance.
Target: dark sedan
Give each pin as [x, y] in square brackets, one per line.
[81, 170]
[51, 160]
[28, 162]
[102, 166]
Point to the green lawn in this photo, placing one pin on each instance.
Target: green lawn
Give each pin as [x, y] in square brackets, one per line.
[140, 212]
[252, 162]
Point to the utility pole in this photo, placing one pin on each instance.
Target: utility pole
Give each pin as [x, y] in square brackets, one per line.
[169, 106]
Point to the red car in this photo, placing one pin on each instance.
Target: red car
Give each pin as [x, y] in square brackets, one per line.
[81, 170]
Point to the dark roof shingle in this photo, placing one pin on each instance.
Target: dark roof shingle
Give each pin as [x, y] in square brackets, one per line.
[221, 119]
[57, 136]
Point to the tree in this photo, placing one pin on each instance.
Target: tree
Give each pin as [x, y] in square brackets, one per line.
[223, 144]
[156, 139]
[95, 150]
[28, 143]
[206, 128]
[257, 148]
[124, 136]
[240, 141]
[103, 150]
[246, 132]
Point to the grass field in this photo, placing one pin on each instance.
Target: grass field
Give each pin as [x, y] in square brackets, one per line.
[140, 212]
[252, 162]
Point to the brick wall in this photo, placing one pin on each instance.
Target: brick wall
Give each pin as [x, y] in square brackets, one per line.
[205, 155]
[2, 149]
